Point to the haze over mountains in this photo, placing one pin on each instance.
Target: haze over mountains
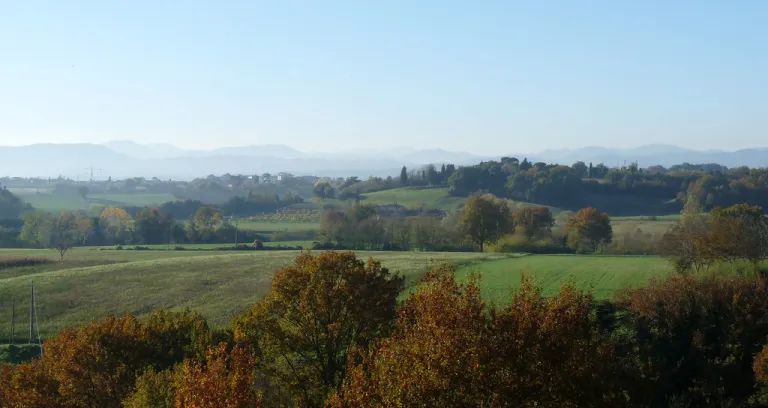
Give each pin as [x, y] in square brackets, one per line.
[121, 159]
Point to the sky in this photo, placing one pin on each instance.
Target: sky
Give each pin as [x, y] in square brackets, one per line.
[478, 76]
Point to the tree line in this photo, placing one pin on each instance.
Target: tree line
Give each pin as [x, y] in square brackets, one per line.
[724, 235]
[482, 220]
[332, 332]
[624, 190]
[115, 226]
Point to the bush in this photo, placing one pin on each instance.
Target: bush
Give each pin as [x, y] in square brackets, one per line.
[519, 243]
[18, 353]
[16, 262]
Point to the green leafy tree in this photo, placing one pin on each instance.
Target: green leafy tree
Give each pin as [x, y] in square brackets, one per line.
[153, 227]
[404, 176]
[60, 232]
[207, 222]
[323, 190]
[485, 219]
[533, 222]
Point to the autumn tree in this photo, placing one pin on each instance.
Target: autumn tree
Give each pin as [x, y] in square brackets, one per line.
[154, 389]
[116, 222]
[449, 350]
[533, 222]
[588, 227]
[333, 226]
[225, 379]
[695, 337]
[485, 218]
[97, 365]
[685, 242]
[316, 311]
[738, 232]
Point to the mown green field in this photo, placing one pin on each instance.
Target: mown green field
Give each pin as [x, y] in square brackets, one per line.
[601, 275]
[285, 226]
[91, 284]
[218, 285]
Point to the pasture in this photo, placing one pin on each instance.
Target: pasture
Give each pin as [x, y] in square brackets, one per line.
[91, 283]
[601, 275]
[278, 226]
[47, 201]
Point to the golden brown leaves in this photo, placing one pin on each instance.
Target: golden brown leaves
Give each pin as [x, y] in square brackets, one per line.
[225, 380]
[316, 312]
[588, 228]
[449, 350]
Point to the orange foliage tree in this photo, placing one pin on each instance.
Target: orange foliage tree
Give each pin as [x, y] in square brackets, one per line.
[224, 380]
[588, 227]
[450, 350]
[97, 365]
[316, 311]
[533, 222]
[695, 338]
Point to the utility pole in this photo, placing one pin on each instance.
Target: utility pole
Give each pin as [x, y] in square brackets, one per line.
[32, 314]
[91, 170]
[13, 319]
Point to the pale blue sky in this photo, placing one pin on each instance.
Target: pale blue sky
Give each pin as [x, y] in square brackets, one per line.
[481, 76]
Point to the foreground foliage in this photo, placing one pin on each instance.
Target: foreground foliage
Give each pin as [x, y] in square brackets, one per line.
[330, 333]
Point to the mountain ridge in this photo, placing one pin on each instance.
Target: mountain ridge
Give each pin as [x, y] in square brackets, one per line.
[129, 159]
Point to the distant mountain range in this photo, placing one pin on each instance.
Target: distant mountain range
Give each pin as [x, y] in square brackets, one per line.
[121, 159]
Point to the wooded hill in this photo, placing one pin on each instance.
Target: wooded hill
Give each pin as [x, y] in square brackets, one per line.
[627, 190]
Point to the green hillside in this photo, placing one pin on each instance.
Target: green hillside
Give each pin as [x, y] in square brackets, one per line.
[95, 283]
[411, 197]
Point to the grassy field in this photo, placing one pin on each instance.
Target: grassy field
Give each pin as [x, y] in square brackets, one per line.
[93, 283]
[219, 285]
[657, 226]
[411, 197]
[602, 275]
[44, 200]
[287, 226]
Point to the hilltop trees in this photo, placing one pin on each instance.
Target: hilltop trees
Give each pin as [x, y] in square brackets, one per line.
[11, 206]
[317, 311]
[323, 190]
[485, 218]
